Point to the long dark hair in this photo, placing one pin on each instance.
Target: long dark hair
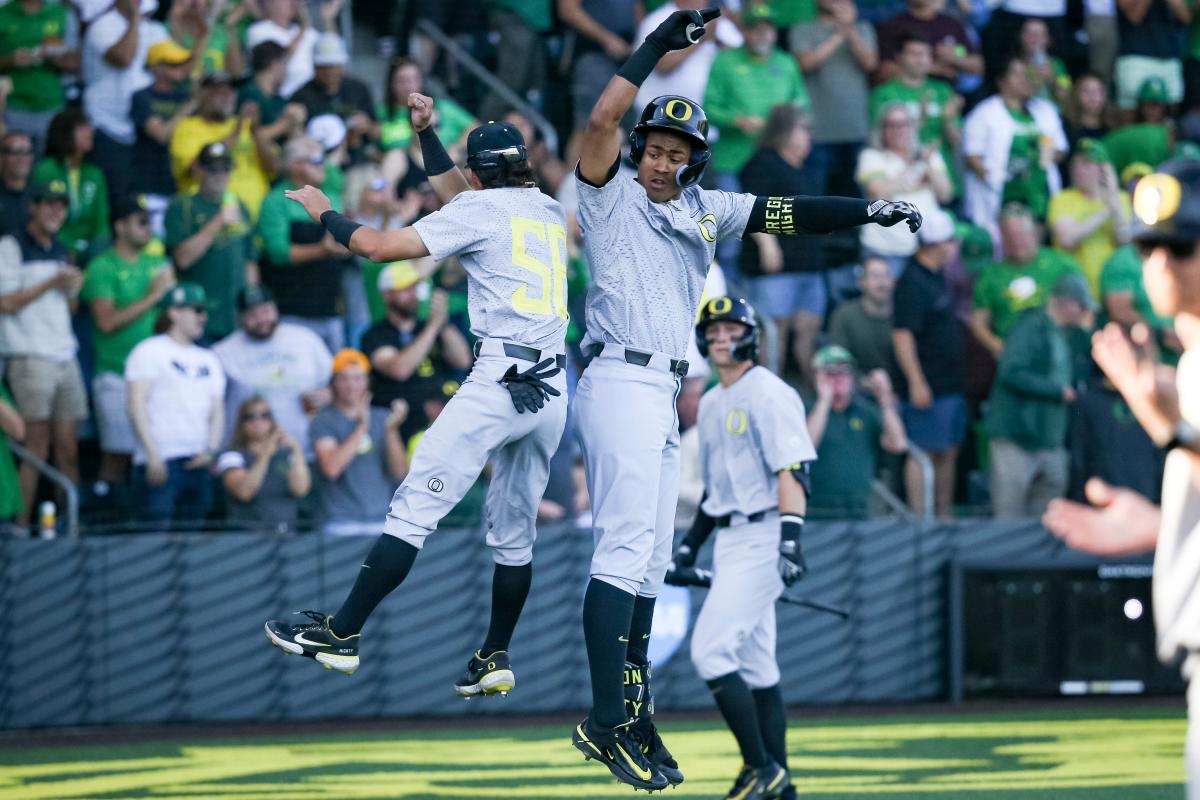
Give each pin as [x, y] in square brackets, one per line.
[390, 101]
[782, 120]
[60, 136]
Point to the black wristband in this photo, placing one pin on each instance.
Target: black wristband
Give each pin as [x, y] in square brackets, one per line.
[437, 160]
[790, 527]
[639, 65]
[340, 227]
[702, 528]
[787, 216]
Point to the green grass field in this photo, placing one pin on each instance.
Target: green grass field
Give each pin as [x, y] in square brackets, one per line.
[1042, 755]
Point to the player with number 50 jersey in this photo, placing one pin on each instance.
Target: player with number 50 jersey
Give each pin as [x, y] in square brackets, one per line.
[511, 410]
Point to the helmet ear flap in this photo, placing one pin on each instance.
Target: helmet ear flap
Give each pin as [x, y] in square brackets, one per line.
[689, 174]
[637, 146]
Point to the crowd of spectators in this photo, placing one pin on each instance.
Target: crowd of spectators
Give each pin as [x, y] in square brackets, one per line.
[231, 364]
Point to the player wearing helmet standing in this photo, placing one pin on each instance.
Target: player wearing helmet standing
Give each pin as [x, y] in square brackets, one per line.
[649, 243]
[511, 239]
[754, 456]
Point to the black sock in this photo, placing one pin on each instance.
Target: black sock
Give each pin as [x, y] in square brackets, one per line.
[386, 567]
[737, 707]
[772, 723]
[510, 587]
[639, 629]
[606, 614]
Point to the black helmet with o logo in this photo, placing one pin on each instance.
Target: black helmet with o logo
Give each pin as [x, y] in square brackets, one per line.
[680, 116]
[732, 309]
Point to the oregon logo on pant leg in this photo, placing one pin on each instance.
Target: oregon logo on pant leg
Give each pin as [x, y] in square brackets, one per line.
[435, 485]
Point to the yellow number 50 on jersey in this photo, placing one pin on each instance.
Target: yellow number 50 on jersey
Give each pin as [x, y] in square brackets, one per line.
[551, 296]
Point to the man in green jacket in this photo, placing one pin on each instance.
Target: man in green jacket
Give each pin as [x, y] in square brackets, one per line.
[1027, 412]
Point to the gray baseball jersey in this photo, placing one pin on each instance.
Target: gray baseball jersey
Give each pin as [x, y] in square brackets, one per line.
[513, 244]
[1177, 556]
[649, 260]
[749, 432]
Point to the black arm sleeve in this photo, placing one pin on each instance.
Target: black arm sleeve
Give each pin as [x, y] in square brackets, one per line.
[340, 227]
[437, 160]
[702, 528]
[786, 216]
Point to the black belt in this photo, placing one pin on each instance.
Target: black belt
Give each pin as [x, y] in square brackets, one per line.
[758, 516]
[513, 350]
[679, 366]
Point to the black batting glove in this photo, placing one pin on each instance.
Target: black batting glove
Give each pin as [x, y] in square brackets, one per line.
[529, 390]
[683, 28]
[685, 556]
[888, 213]
[791, 559]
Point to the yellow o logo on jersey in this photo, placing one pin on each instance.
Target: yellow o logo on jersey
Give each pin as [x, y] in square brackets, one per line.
[705, 221]
[719, 305]
[678, 110]
[735, 422]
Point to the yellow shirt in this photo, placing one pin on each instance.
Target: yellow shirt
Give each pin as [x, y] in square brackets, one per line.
[1093, 251]
[248, 180]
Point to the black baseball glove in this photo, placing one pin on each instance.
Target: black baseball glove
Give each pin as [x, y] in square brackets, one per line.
[683, 28]
[791, 561]
[887, 213]
[528, 389]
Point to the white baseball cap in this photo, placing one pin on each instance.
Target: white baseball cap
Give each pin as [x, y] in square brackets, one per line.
[330, 51]
[936, 228]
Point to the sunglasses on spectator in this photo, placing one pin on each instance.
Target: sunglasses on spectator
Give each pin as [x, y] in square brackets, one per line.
[18, 151]
[140, 219]
[198, 309]
[316, 158]
[1178, 250]
[378, 184]
[896, 123]
[253, 415]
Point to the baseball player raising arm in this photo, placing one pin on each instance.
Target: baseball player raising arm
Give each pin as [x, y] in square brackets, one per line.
[754, 456]
[649, 243]
[511, 240]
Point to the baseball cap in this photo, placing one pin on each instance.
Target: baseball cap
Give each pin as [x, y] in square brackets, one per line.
[1153, 90]
[398, 276]
[327, 129]
[127, 206]
[42, 191]
[758, 12]
[217, 78]
[976, 248]
[938, 227]
[253, 295]
[1093, 150]
[1166, 203]
[833, 356]
[167, 52]
[215, 155]
[1073, 286]
[185, 294]
[494, 136]
[330, 51]
[348, 357]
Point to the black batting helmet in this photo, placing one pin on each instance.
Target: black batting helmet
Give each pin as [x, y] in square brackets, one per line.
[680, 116]
[732, 309]
[495, 146]
[1166, 204]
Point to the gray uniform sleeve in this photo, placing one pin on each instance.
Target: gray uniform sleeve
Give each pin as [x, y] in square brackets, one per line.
[460, 226]
[597, 203]
[778, 422]
[732, 211]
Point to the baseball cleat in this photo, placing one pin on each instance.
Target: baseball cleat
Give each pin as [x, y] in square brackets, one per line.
[486, 675]
[624, 758]
[315, 640]
[639, 704]
[764, 783]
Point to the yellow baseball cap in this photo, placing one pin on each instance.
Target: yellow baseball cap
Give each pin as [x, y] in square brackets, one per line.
[167, 52]
[397, 276]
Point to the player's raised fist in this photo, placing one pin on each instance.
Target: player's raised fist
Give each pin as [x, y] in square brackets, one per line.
[683, 28]
[888, 213]
[421, 111]
[313, 199]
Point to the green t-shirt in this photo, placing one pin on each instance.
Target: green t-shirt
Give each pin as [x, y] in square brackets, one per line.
[396, 133]
[270, 107]
[37, 87]
[222, 269]
[743, 85]
[1123, 273]
[124, 283]
[926, 103]
[214, 52]
[845, 465]
[1026, 181]
[1144, 142]
[536, 13]
[1008, 289]
[86, 230]
[11, 503]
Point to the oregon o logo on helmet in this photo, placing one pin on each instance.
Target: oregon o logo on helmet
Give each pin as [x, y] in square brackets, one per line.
[671, 110]
[719, 305]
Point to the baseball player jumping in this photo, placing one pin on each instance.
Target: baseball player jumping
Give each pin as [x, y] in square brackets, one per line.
[511, 238]
[649, 243]
[754, 455]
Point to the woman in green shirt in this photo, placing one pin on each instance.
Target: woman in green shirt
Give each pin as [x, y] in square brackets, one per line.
[452, 121]
[68, 140]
